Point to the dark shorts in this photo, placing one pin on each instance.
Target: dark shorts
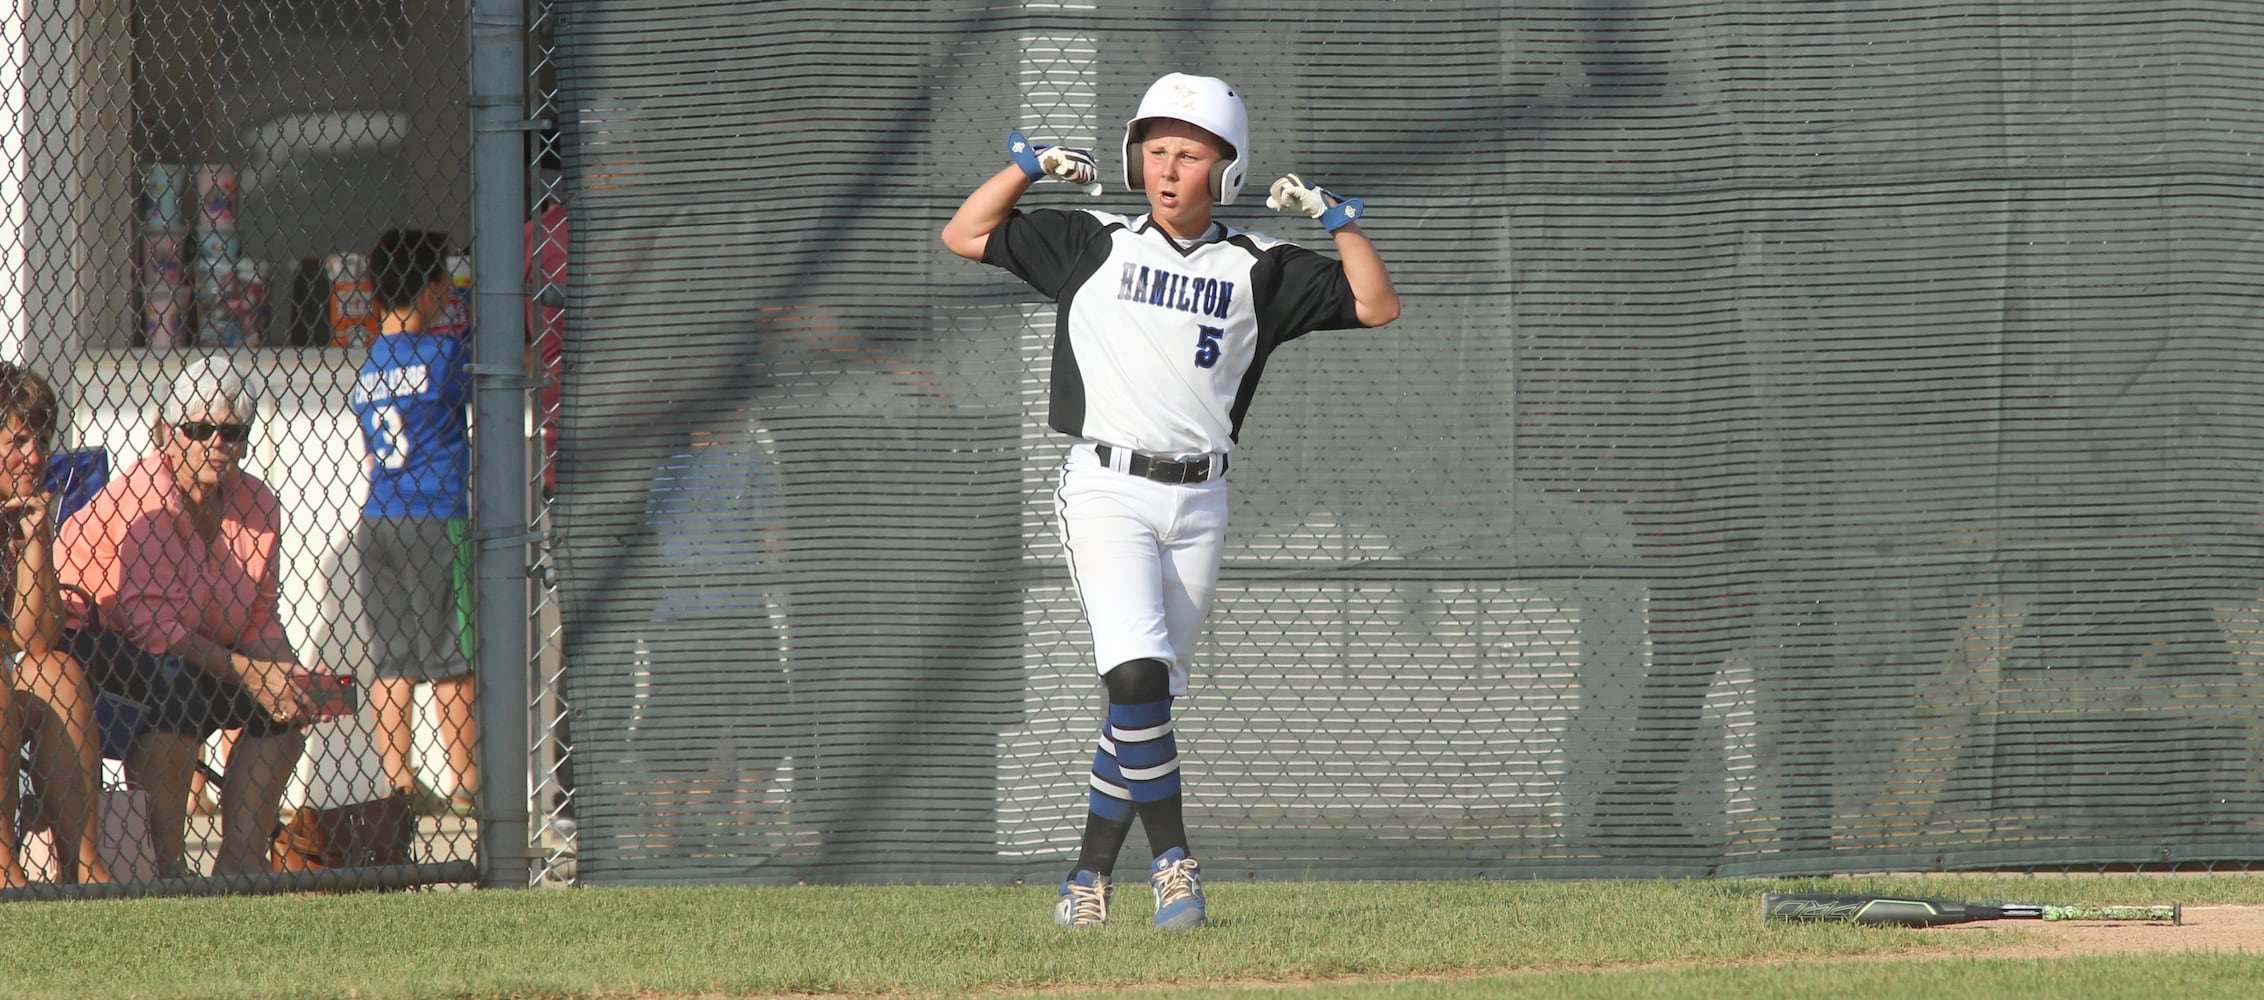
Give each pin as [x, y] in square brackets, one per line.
[173, 696]
[413, 586]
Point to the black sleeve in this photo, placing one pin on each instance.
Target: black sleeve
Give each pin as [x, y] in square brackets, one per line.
[1041, 247]
[1303, 291]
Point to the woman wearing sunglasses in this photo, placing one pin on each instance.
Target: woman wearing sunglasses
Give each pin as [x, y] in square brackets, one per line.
[180, 555]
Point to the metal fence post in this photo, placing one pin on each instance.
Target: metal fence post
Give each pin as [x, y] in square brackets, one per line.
[499, 212]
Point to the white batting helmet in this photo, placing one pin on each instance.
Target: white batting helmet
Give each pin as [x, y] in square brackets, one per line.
[1208, 103]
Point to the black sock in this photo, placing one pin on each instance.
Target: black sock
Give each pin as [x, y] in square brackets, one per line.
[1104, 837]
[1166, 828]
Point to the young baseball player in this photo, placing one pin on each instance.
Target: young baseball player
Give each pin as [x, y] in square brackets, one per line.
[1165, 323]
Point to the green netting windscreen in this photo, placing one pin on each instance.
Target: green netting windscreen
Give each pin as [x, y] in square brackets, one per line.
[1821, 437]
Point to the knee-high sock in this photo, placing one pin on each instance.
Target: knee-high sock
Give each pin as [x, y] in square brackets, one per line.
[1108, 818]
[1135, 766]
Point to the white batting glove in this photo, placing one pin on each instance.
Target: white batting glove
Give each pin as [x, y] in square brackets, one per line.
[1292, 194]
[1061, 163]
[1073, 165]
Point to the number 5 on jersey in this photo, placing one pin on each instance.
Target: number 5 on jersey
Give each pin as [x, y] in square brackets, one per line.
[388, 441]
[1206, 345]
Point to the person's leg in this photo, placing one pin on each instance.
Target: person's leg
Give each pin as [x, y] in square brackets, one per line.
[394, 703]
[164, 755]
[161, 763]
[11, 873]
[1115, 560]
[1136, 765]
[251, 794]
[1190, 564]
[57, 708]
[204, 794]
[1190, 583]
[459, 733]
[1107, 522]
[395, 583]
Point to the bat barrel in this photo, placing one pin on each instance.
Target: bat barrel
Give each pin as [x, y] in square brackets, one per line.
[1882, 910]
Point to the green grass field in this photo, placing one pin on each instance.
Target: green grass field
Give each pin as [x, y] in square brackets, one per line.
[1657, 940]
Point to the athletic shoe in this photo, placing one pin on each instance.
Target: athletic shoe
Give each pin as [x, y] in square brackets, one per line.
[1179, 890]
[1084, 900]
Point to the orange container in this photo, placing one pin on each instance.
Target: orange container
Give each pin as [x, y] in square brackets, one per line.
[353, 300]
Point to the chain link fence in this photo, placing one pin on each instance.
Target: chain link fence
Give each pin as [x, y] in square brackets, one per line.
[548, 235]
[200, 193]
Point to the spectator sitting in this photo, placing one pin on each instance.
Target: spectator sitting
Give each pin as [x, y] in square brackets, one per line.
[41, 686]
[181, 555]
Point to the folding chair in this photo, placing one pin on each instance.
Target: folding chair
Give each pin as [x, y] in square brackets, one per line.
[75, 477]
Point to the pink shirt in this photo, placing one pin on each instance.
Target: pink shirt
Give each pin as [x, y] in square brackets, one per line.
[135, 548]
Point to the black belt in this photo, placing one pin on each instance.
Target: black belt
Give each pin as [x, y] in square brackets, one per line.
[1164, 470]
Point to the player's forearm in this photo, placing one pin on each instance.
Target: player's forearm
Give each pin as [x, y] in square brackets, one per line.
[968, 232]
[1374, 298]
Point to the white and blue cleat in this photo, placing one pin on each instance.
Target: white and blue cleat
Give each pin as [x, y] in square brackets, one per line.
[1084, 900]
[1179, 890]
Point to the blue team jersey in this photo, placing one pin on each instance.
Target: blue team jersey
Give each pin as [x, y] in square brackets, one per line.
[410, 401]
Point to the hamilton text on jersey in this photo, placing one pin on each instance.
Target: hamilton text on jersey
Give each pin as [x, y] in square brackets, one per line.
[1158, 287]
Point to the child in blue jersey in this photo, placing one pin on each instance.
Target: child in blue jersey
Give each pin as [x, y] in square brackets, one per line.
[412, 400]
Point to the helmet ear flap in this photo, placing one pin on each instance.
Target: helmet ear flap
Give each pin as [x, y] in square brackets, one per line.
[1226, 179]
[1133, 133]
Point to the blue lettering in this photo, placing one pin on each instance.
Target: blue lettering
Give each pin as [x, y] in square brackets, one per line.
[1185, 293]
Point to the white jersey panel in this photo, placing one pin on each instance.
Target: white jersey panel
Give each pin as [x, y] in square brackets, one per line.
[1159, 344]
[1163, 341]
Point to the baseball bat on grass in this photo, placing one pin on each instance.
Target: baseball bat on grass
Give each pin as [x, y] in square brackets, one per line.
[1898, 911]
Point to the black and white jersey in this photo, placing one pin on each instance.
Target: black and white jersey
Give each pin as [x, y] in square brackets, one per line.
[1159, 343]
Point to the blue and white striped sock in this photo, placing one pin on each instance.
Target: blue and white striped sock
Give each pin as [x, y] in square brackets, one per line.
[1137, 760]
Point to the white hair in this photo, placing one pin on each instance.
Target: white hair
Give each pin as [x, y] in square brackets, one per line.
[209, 382]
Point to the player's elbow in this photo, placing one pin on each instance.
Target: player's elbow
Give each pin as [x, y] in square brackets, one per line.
[1380, 312]
[963, 243]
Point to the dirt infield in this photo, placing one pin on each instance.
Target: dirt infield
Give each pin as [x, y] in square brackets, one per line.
[2206, 928]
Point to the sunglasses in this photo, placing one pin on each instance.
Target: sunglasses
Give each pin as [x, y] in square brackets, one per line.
[199, 430]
